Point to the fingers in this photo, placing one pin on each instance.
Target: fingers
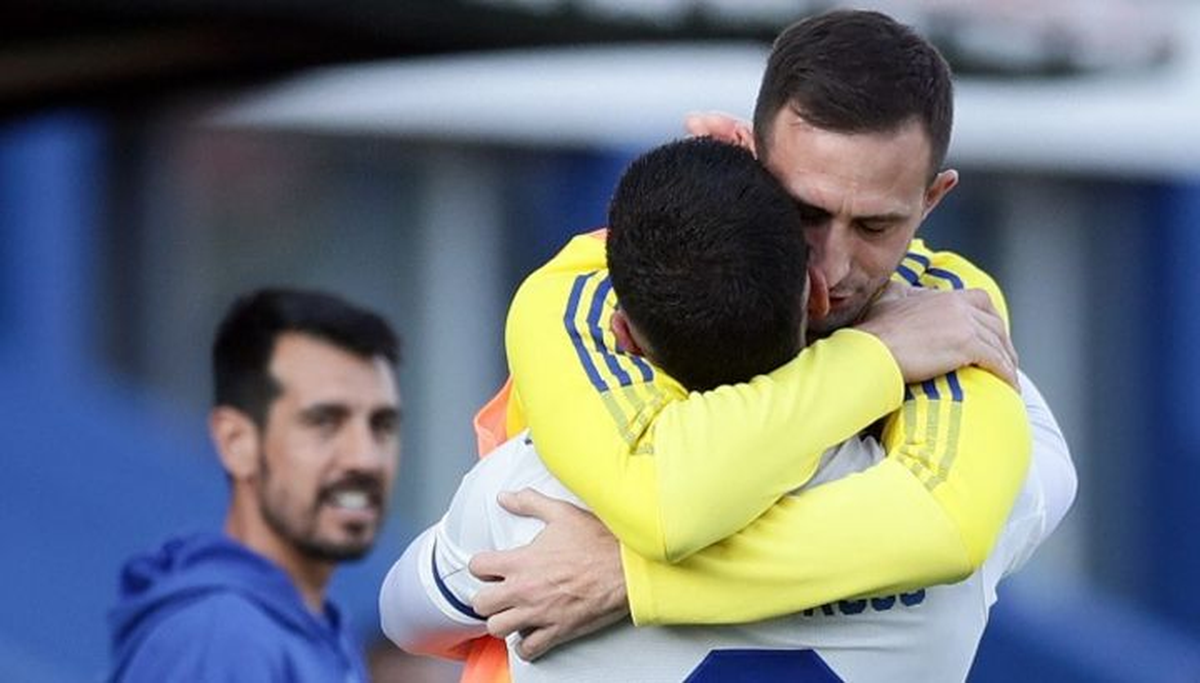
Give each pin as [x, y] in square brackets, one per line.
[536, 643]
[492, 600]
[1005, 354]
[509, 621]
[493, 565]
[998, 355]
[995, 360]
[720, 126]
[536, 638]
[985, 341]
[696, 123]
[931, 332]
[530, 503]
[1011, 352]
[510, 606]
[711, 123]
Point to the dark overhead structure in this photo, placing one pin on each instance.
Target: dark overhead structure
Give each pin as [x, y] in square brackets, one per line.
[56, 51]
[124, 51]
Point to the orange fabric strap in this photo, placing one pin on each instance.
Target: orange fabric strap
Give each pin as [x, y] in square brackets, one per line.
[487, 657]
[491, 421]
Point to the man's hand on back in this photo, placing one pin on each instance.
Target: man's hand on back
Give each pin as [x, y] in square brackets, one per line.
[932, 332]
[566, 583]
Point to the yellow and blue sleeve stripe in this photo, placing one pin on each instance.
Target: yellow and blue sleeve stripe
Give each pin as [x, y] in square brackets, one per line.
[624, 382]
[587, 335]
[938, 421]
[917, 272]
[934, 429]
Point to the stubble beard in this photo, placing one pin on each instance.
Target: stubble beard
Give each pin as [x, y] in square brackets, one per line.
[302, 533]
[819, 329]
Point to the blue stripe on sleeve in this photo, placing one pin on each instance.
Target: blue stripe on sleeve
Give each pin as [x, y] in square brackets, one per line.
[919, 258]
[598, 335]
[907, 273]
[462, 607]
[956, 392]
[576, 339]
[953, 279]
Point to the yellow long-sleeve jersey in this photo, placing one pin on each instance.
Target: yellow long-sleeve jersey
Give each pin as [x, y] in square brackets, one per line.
[696, 485]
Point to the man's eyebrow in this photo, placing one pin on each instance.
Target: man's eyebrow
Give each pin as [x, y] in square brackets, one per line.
[324, 409]
[886, 217]
[810, 208]
[890, 217]
[393, 412]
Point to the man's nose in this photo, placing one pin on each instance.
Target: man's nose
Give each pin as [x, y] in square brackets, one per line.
[361, 450]
[831, 252]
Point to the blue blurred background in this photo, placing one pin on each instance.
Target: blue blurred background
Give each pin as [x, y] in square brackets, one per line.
[421, 159]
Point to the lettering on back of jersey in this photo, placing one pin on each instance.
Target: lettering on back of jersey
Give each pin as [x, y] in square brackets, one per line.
[850, 608]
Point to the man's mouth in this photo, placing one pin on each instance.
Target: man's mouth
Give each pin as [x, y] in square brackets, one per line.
[351, 499]
[357, 494]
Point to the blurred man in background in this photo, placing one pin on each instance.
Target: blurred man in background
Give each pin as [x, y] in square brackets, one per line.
[306, 421]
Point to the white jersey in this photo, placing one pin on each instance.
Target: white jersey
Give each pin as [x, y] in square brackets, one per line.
[926, 635]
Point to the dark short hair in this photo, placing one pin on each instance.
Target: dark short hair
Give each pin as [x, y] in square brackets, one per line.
[246, 338]
[708, 261]
[853, 71]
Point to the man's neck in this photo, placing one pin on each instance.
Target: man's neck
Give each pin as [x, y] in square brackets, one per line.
[311, 579]
[309, 576]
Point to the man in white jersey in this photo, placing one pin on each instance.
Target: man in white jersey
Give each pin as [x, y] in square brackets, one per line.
[925, 635]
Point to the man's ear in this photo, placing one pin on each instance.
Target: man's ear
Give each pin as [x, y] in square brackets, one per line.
[721, 126]
[624, 334]
[743, 136]
[236, 439]
[818, 295]
[938, 189]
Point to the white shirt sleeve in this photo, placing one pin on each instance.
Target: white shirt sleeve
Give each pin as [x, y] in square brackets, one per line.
[1044, 499]
[414, 612]
[425, 600]
[1056, 471]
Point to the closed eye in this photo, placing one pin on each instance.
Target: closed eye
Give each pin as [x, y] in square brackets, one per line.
[875, 227]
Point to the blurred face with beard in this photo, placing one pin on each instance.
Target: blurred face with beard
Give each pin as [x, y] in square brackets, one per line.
[330, 448]
[311, 485]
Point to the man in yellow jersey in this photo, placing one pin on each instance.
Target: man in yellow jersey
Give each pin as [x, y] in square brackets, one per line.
[702, 244]
[853, 118]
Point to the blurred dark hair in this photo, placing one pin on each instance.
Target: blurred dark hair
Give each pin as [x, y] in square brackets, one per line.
[852, 71]
[708, 260]
[246, 338]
